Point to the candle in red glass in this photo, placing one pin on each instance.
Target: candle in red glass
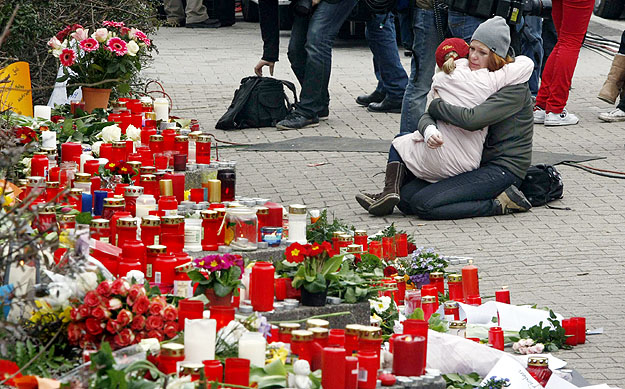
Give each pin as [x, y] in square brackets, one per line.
[280, 288]
[39, 165]
[203, 149]
[429, 306]
[115, 117]
[198, 194]
[412, 300]
[71, 151]
[452, 310]
[132, 258]
[470, 281]
[125, 118]
[368, 365]
[352, 333]
[115, 215]
[580, 329]
[106, 151]
[178, 183]
[163, 269]
[167, 202]
[262, 214]
[118, 151]
[126, 230]
[336, 337]
[156, 143]
[170, 355]
[474, 300]
[173, 225]
[333, 367]
[136, 120]
[210, 227]
[401, 245]
[538, 367]
[437, 279]
[418, 328]
[401, 290]
[146, 133]
[96, 184]
[169, 136]
[92, 166]
[285, 330]
[181, 144]
[189, 309]
[301, 343]
[150, 230]
[150, 185]
[221, 213]
[52, 190]
[335, 241]
[370, 340]
[213, 370]
[237, 371]
[46, 219]
[430, 290]
[375, 248]
[223, 315]
[409, 354]
[388, 248]
[152, 253]
[161, 161]
[495, 337]
[454, 283]
[502, 296]
[130, 196]
[570, 331]
[262, 292]
[351, 373]
[360, 237]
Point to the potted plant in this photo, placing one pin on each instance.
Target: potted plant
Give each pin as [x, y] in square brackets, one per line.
[315, 269]
[418, 266]
[218, 277]
[110, 57]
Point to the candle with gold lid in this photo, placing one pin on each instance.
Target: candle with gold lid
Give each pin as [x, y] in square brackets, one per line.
[167, 202]
[454, 283]
[317, 323]
[214, 191]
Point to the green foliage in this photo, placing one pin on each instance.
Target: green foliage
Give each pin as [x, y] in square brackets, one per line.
[437, 323]
[108, 376]
[462, 381]
[321, 231]
[223, 282]
[315, 273]
[390, 232]
[552, 336]
[353, 283]
[45, 365]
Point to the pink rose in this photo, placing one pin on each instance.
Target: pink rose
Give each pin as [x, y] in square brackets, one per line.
[92, 299]
[154, 322]
[54, 43]
[170, 313]
[114, 304]
[141, 306]
[94, 326]
[124, 338]
[124, 317]
[80, 34]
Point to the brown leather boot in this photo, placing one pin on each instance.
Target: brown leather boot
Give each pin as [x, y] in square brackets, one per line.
[384, 202]
[614, 83]
[512, 200]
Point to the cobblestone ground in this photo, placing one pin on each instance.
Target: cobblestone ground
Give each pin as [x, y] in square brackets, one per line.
[569, 261]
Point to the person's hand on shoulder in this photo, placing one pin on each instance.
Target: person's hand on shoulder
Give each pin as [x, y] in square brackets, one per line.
[258, 69]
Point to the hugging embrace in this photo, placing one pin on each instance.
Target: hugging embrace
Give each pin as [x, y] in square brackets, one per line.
[473, 146]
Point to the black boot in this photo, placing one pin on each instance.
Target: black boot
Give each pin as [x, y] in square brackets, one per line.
[385, 106]
[365, 100]
[383, 203]
[511, 200]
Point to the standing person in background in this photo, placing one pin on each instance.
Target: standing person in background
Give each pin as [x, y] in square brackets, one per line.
[532, 47]
[310, 54]
[571, 18]
[194, 15]
[392, 78]
[613, 86]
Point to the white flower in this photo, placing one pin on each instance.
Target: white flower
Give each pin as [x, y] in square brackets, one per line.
[85, 282]
[133, 133]
[132, 47]
[111, 134]
[536, 349]
[137, 275]
[101, 35]
[114, 303]
[380, 304]
[54, 43]
[95, 148]
[229, 335]
[80, 34]
[516, 346]
[526, 342]
[26, 163]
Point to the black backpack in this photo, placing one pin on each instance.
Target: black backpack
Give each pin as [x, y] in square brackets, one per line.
[259, 102]
[542, 184]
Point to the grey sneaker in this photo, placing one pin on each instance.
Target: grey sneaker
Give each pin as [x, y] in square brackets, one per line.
[615, 115]
[560, 119]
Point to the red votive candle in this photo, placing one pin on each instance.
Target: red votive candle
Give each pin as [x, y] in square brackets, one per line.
[454, 283]
[352, 333]
[360, 237]
[92, 166]
[502, 296]
[409, 355]
[452, 310]
[237, 371]
[429, 306]
[210, 226]
[336, 337]
[280, 288]
[169, 136]
[261, 292]
[580, 329]
[198, 194]
[400, 295]
[388, 248]
[570, 330]
[495, 337]
[437, 279]
[106, 151]
[401, 245]
[133, 257]
[150, 230]
[301, 344]
[189, 309]
[418, 328]
[351, 372]
[71, 151]
[152, 253]
[470, 281]
[146, 133]
[223, 315]
[430, 290]
[178, 182]
[164, 270]
[370, 340]
[375, 248]
[214, 370]
[368, 365]
[474, 300]
[161, 161]
[333, 367]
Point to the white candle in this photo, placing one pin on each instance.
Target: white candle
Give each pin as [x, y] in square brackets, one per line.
[43, 112]
[48, 139]
[252, 346]
[161, 109]
[199, 340]
[145, 204]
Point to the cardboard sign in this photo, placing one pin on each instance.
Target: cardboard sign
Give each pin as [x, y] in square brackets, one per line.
[16, 94]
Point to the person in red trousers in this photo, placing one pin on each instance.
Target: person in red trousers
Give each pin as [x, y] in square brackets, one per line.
[571, 18]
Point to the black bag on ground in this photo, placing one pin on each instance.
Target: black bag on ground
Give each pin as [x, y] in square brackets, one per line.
[542, 184]
[259, 102]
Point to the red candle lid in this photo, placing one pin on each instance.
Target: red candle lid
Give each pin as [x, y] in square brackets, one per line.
[388, 379]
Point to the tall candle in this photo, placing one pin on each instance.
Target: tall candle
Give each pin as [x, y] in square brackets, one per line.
[42, 112]
[252, 346]
[470, 281]
[351, 373]
[71, 151]
[199, 339]
[333, 367]
[161, 109]
[48, 139]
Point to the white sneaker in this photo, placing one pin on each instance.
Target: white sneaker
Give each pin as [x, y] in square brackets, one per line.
[613, 116]
[539, 115]
[560, 119]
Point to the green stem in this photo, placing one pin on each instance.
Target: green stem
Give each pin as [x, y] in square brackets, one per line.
[313, 317]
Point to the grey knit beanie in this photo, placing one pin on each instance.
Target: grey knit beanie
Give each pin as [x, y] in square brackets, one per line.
[495, 34]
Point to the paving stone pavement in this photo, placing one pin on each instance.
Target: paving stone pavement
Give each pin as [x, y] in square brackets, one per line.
[569, 261]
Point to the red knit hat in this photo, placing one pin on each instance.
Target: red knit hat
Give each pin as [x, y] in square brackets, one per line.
[451, 44]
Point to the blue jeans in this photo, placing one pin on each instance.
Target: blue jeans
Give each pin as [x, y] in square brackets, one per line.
[422, 68]
[310, 53]
[469, 194]
[462, 25]
[405, 28]
[391, 76]
[532, 47]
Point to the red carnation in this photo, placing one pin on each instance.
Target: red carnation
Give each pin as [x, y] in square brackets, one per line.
[124, 317]
[94, 326]
[100, 313]
[170, 313]
[138, 323]
[124, 338]
[104, 289]
[120, 286]
[92, 299]
[141, 306]
[113, 326]
[156, 334]
[170, 329]
[154, 322]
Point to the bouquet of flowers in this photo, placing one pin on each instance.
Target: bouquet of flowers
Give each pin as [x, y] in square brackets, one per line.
[110, 56]
[121, 314]
[420, 264]
[118, 171]
[222, 273]
[316, 266]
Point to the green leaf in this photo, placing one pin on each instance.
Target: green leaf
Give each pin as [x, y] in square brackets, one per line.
[417, 314]
[332, 265]
[197, 276]
[222, 290]
[350, 296]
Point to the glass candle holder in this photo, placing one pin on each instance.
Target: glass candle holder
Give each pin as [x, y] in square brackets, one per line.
[388, 248]
[401, 245]
[454, 283]
[452, 310]
[352, 333]
[222, 314]
[237, 371]
[336, 337]
[409, 355]
[189, 309]
[271, 235]
[502, 296]
[375, 248]
[213, 370]
[161, 161]
[412, 301]
[280, 288]
[495, 338]
[261, 295]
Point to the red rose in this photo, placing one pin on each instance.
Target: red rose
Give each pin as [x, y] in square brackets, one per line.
[154, 322]
[112, 326]
[83, 311]
[170, 313]
[92, 299]
[56, 118]
[389, 271]
[138, 323]
[94, 326]
[100, 313]
[135, 291]
[87, 341]
[104, 289]
[124, 338]
[74, 332]
[120, 286]
[141, 305]
[124, 317]
[170, 329]
[156, 334]
[156, 307]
